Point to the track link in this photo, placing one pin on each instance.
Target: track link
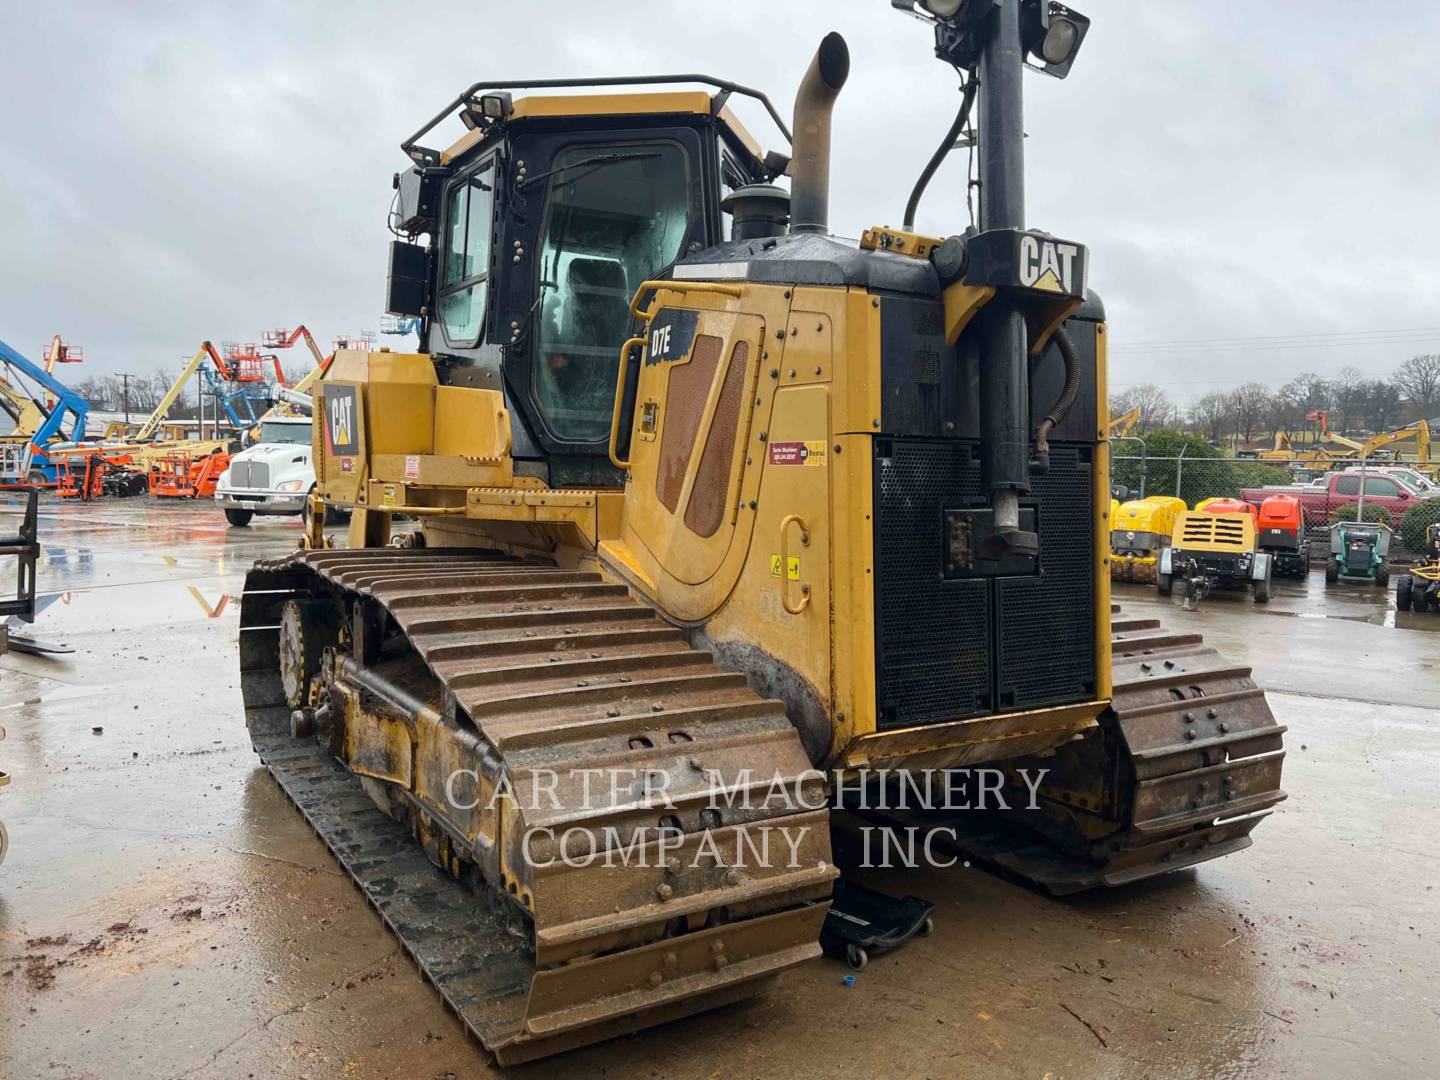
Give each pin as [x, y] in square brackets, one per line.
[529, 672]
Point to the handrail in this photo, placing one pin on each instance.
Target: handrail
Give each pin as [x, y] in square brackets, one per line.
[723, 85]
[786, 522]
[679, 286]
[620, 377]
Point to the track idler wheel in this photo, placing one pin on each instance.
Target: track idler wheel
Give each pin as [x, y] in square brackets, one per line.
[307, 627]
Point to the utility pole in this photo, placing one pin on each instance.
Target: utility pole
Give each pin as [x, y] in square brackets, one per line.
[125, 378]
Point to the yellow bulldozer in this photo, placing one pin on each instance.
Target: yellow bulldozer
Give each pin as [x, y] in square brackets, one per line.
[687, 519]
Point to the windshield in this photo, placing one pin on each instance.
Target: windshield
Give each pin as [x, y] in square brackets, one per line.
[613, 218]
[1413, 480]
[285, 433]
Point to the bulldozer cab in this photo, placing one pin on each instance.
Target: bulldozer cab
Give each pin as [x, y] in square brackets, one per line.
[545, 219]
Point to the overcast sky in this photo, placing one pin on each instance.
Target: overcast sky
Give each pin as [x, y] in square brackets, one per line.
[1239, 170]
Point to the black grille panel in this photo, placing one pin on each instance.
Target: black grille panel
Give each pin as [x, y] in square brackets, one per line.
[934, 646]
[1047, 623]
[951, 649]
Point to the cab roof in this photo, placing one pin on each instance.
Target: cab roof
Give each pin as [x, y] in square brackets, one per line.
[579, 106]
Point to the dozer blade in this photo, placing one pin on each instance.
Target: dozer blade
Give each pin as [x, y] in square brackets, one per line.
[1192, 755]
[511, 669]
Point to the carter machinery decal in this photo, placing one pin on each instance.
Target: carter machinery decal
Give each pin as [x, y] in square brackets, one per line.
[797, 453]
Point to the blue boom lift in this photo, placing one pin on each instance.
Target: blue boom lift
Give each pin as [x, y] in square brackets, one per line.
[26, 462]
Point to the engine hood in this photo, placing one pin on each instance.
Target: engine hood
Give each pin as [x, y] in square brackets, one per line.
[273, 453]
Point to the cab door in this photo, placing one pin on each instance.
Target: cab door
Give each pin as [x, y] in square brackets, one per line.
[694, 408]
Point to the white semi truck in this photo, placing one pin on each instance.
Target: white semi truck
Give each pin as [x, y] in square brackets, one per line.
[273, 477]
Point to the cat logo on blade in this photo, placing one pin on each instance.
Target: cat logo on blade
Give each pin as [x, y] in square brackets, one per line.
[1048, 264]
[341, 409]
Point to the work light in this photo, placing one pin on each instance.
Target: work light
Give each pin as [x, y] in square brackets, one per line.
[1052, 33]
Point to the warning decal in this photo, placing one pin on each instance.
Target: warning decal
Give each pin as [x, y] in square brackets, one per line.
[798, 453]
[792, 567]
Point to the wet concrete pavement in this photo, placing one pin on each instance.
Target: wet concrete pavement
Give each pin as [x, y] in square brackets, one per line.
[165, 912]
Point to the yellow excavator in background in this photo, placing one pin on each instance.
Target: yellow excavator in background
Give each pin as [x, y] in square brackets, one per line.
[1418, 432]
[1125, 423]
[711, 527]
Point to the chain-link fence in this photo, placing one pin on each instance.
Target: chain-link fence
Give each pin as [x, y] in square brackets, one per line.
[1135, 476]
[1190, 478]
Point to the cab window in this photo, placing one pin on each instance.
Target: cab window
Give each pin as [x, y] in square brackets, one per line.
[1382, 486]
[615, 215]
[1347, 485]
[465, 273]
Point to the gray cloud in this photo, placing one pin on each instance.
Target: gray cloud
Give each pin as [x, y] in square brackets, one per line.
[178, 171]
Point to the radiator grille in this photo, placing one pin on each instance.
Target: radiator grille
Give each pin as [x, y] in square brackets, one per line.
[249, 474]
[1047, 623]
[951, 649]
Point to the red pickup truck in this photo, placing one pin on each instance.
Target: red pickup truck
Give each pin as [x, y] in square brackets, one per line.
[1325, 493]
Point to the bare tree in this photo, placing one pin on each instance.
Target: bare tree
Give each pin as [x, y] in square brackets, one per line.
[1418, 380]
[1211, 415]
[92, 389]
[1249, 407]
[1347, 389]
[1381, 403]
[1156, 408]
[1304, 394]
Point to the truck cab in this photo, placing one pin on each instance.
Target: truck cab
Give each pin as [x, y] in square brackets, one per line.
[1321, 500]
[272, 477]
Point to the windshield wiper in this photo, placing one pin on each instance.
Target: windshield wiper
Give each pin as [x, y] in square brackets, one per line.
[599, 161]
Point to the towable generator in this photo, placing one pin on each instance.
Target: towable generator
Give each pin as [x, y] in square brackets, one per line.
[1225, 505]
[1215, 549]
[716, 512]
[1280, 532]
[1138, 530]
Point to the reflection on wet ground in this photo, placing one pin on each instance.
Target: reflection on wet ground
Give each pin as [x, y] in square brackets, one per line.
[165, 912]
[1312, 598]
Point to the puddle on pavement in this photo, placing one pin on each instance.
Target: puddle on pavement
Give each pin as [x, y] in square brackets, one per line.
[1314, 599]
[1404, 620]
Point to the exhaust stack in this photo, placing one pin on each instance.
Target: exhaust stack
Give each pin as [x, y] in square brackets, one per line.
[810, 154]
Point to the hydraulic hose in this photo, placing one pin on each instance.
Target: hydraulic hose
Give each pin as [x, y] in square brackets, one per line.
[1063, 403]
[946, 145]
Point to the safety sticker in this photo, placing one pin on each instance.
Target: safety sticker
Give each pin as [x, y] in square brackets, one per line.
[387, 495]
[412, 466]
[347, 464]
[797, 453]
[792, 567]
